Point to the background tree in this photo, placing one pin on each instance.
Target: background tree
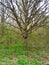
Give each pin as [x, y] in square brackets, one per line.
[2, 18]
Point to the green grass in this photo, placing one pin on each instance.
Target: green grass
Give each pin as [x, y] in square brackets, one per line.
[12, 46]
[20, 61]
[23, 56]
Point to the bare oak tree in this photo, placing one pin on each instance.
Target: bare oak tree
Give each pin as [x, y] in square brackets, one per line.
[28, 14]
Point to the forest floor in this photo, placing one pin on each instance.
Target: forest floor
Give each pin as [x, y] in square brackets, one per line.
[16, 55]
[12, 51]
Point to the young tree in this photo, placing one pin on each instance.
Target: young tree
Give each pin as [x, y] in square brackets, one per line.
[28, 14]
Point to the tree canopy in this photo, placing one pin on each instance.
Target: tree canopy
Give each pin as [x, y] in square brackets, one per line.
[27, 14]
